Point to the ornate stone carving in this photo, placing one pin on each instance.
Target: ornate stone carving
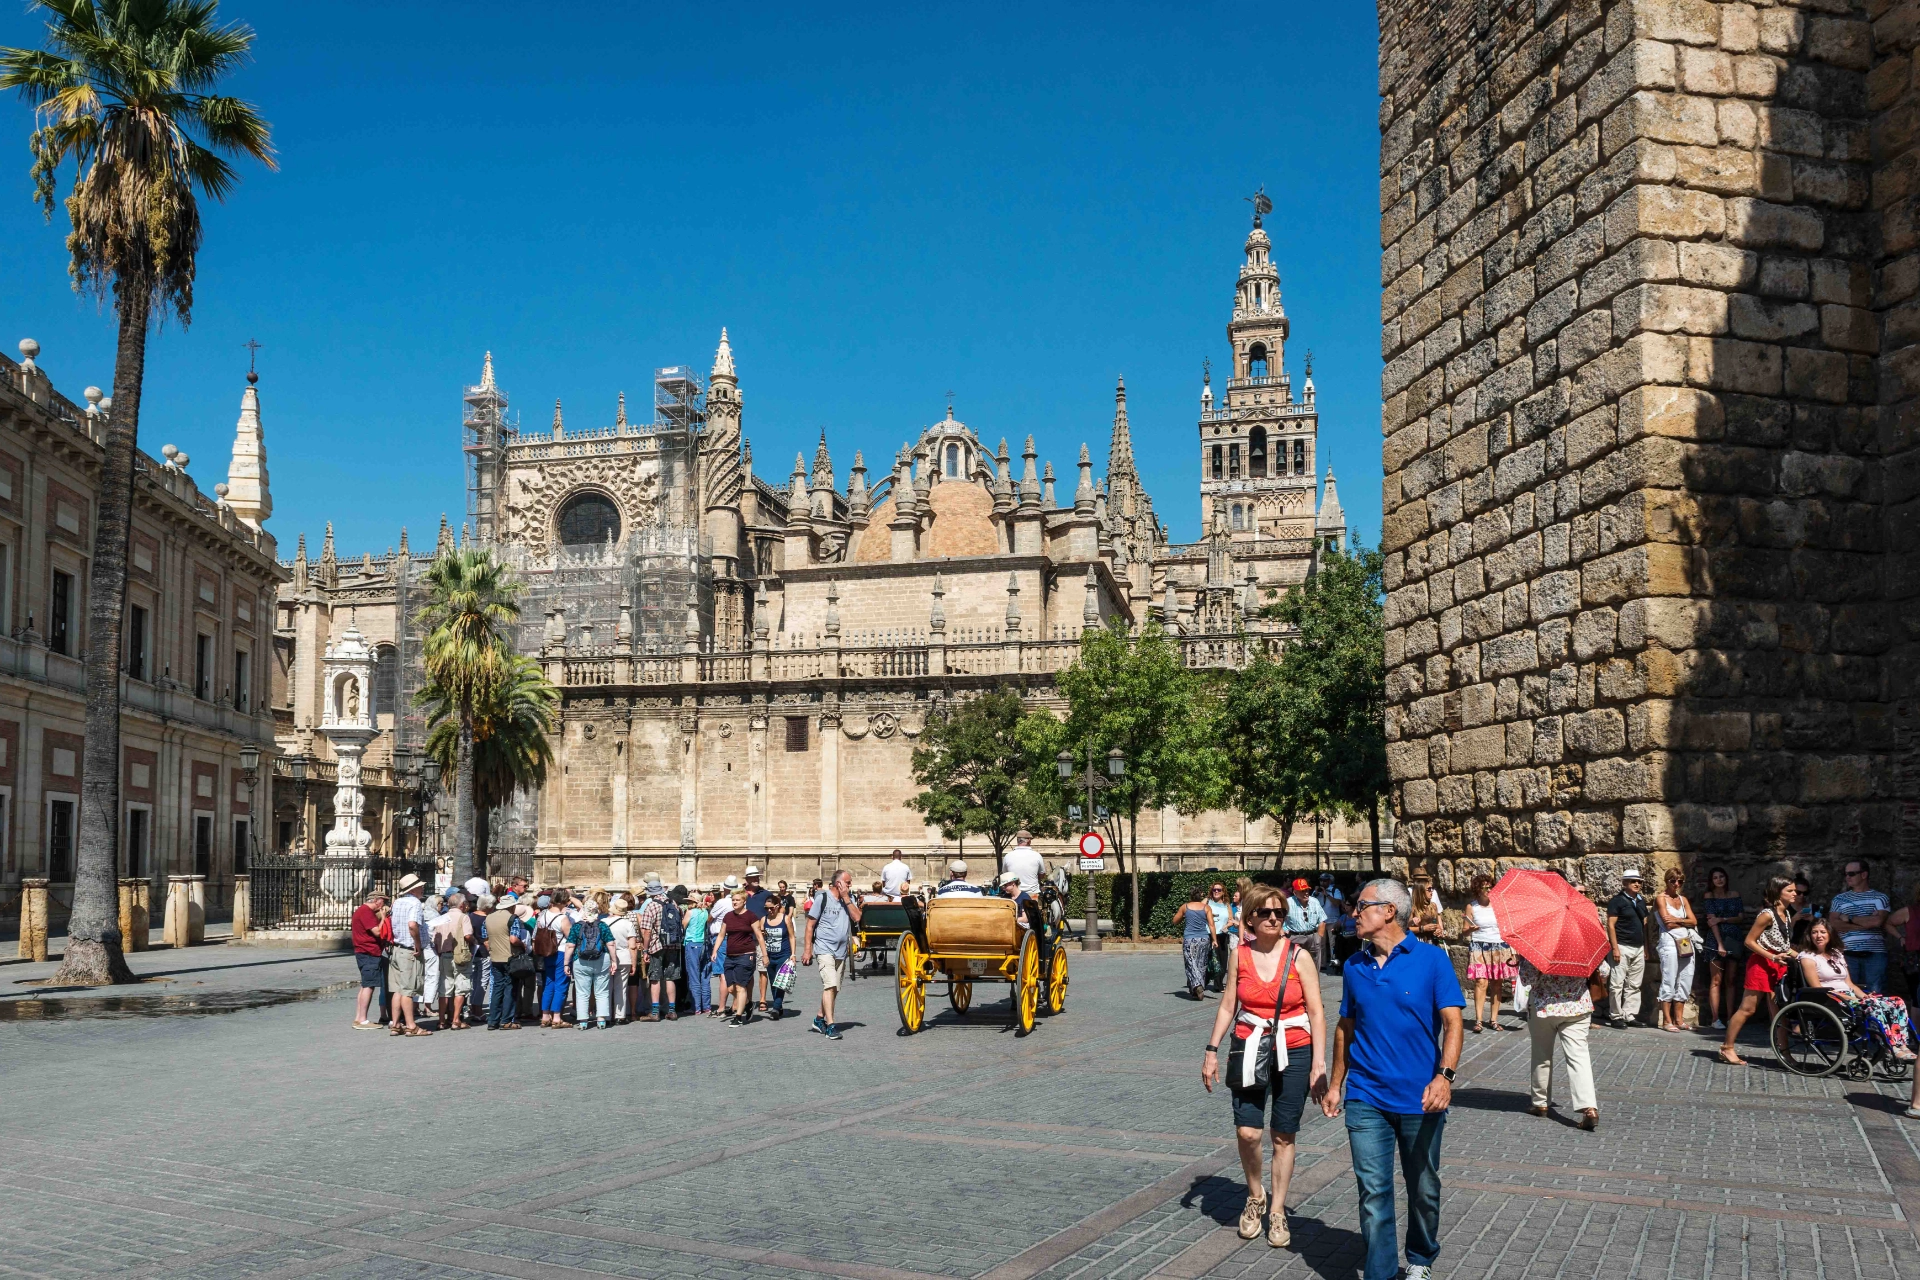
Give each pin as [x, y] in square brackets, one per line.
[885, 724]
[536, 490]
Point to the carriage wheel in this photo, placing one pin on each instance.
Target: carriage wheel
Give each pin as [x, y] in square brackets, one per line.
[909, 985]
[1809, 1039]
[1057, 980]
[960, 992]
[1026, 991]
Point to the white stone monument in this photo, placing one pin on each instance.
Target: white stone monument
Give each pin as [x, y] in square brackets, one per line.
[347, 721]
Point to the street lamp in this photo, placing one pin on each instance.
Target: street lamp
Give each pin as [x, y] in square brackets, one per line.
[250, 770]
[431, 769]
[1092, 782]
[297, 766]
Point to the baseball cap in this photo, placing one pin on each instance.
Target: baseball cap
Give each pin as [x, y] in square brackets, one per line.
[1301, 884]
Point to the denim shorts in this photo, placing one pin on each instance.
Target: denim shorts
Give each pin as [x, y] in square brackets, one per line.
[740, 968]
[373, 970]
[1287, 1096]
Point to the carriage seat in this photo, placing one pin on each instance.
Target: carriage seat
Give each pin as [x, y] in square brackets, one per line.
[972, 926]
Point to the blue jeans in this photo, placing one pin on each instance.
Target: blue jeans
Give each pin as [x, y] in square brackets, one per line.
[553, 984]
[500, 991]
[1868, 970]
[1372, 1134]
[590, 979]
[697, 976]
[774, 960]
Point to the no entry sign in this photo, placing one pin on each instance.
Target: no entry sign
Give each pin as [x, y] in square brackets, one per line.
[1093, 848]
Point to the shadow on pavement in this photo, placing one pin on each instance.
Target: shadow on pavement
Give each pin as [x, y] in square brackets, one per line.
[213, 1002]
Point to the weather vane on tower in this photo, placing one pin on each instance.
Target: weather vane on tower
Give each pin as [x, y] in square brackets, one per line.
[1261, 204]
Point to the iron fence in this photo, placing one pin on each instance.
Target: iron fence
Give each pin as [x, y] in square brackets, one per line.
[319, 894]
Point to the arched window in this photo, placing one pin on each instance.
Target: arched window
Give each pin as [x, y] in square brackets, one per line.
[587, 519]
[386, 679]
[1257, 360]
[1299, 457]
[1257, 453]
[953, 461]
[1218, 466]
[1236, 516]
[1233, 462]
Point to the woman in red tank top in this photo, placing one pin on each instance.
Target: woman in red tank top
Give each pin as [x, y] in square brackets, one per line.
[1272, 998]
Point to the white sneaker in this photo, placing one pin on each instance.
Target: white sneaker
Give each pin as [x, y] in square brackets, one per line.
[1418, 1273]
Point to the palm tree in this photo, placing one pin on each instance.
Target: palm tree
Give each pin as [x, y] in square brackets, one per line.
[470, 599]
[511, 721]
[123, 90]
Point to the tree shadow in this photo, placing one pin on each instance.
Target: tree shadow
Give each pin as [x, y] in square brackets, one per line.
[1475, 1098]
[1219, 1197]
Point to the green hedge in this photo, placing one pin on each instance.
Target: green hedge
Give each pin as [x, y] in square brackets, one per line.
[1162, 892]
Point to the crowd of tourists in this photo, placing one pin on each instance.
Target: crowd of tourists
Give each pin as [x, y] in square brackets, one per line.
[1388, 1064]
[504, 954]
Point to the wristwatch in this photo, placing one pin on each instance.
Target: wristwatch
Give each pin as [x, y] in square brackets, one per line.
[1447, 1073]
[1213, 1048]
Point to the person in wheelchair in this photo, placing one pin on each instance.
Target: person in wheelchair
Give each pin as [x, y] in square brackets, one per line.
[1823, 967]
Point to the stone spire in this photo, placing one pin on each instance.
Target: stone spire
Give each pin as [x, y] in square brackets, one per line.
[1120, 451]
[620, 412]
[822, 465]
[937, 618]
[247, 491]
[1046, 488]
[403, 542]
[445, 543]
[300, 566]
[797, 488]
[857, 485]
[723, 358]
[1013, 606]
[1083, 492]
[1029, 478]
[723, 461]
[329, 566]
[486, 374]
[1002, 479]
[559, 427]
[1331, 519]
[1090, 612]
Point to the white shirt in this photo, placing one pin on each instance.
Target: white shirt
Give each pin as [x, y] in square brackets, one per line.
[1485, 927]
[624, 932]
[1025, 861]
[894, 877]
[959, 889]
[407, 909]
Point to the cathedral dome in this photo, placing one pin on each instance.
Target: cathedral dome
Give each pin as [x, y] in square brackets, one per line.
[962, 525]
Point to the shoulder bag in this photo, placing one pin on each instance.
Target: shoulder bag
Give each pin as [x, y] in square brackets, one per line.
[1263, 1039]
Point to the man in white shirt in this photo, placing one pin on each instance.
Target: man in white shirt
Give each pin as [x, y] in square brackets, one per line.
[895, 876]
[406, 971]
[1025, 861]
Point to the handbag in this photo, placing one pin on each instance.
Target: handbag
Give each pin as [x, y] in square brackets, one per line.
[519, 962]
[1266, 1060]
[783, 977]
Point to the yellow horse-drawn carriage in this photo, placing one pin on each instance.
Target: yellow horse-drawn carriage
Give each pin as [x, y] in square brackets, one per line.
[964, 940]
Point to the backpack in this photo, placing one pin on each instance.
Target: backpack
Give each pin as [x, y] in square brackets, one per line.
[673, 929]
[545, 942]
[592, 941]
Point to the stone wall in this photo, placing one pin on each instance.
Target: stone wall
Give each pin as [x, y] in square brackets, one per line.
[1647, 485]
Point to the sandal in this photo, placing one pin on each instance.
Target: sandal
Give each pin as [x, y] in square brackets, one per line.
[1912, 1113]
[418, 1031]
[398, 1031]
[1478, 1028]
[1733, 1059]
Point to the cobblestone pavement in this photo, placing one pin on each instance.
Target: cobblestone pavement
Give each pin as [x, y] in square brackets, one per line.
[278, 1142]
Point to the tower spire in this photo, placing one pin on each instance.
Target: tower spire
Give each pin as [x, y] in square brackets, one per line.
[1120, 452]
[247, 491]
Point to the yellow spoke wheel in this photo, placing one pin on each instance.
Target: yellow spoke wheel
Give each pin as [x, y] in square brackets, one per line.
[910, 984]
[1026, 995]
[960, 991]
[1057, 980]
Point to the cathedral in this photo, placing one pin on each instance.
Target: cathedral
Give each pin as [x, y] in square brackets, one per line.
[746, 657]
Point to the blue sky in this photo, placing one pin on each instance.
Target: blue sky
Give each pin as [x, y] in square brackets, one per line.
[1015, 204]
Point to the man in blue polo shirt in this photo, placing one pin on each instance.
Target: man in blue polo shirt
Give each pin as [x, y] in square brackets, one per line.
[1393, 1059]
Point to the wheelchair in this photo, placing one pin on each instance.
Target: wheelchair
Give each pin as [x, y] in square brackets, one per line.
[1816, 1034]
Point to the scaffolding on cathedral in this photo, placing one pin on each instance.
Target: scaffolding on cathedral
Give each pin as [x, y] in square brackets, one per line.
[485, 428]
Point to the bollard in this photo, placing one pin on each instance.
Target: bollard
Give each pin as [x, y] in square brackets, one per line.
[242, 907]
[196, 910]
[126, 914]
[175, 928]
[33, 919]
[142, 938]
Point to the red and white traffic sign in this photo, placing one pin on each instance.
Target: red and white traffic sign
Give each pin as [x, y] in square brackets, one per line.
[1093, 848]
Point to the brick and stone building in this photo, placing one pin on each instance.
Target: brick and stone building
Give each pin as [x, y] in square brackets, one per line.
[201, 581]
[1649, 311]
[747, 658]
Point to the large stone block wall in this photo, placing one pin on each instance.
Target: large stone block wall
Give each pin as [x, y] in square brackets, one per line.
[1648, 499]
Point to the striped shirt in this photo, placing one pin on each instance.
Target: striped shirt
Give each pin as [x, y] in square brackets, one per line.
[1863, 902]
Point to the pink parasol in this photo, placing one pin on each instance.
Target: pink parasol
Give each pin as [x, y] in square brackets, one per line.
[1550, 922]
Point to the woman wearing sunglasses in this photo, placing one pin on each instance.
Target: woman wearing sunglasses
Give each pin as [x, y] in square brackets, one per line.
[1271, 996]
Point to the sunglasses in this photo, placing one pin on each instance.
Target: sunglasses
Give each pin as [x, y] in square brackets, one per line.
[1363, 905]
[1270, 913]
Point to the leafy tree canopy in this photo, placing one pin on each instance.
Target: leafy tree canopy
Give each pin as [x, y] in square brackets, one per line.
[987, 769]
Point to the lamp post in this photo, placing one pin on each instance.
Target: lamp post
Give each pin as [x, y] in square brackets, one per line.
[431, 770]
[1092, 782]
[297, 766]
[250, 770]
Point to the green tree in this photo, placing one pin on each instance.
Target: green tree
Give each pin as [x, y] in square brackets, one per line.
[987, 769]
[513, 717]
[1133, 693]
[470, 600]
[1339, 657]
[1272, 749]
[124, 90]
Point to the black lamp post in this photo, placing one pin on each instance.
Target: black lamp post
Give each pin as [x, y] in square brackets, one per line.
[250, 770]
[1092, 782]
[297, 766]
[431, 770]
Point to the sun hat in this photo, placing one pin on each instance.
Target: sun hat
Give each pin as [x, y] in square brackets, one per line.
[654, 881]
[730, 883]
[1631, 873]
[752, 873]
[476, 886]
[408, 883]
[544, 900]
[1009, 877]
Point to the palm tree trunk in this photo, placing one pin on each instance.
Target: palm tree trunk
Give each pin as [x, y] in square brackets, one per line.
[463, 802]
[482, 839]
[95, 950]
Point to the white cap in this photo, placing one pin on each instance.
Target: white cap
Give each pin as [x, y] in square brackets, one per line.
[956, 868]
[476, 886]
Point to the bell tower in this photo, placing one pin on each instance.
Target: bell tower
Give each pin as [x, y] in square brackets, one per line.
[1257, 442]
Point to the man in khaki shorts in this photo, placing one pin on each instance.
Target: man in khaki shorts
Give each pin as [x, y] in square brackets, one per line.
[831, 915]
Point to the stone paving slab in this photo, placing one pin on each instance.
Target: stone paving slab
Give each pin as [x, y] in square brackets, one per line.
[280, 1143]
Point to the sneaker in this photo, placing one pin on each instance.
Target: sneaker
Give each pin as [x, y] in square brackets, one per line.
[1277, 1234]
[1417, 1272]
[737, 1020]
[600, 1025]
[819, 1024]
[833, 1033]
[1250, 1215]
[584, 1026]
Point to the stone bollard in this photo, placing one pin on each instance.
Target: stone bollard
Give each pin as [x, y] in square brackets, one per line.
[127, 899]
[33, 919]
[142, 938]
[175, 928]
[196, 910]
[242, 907]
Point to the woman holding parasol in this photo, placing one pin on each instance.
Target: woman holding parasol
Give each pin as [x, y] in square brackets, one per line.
[1556, 931]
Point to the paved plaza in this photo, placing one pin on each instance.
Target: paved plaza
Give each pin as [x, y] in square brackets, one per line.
[278, 1142]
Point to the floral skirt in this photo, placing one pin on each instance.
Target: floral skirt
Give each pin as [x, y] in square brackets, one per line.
[1492, 961]
[1194, 952]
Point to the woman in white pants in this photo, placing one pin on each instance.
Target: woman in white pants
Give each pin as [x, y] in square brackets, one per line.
[430, 912]
[1679, 945]
[625, 938]
[1559, 1013]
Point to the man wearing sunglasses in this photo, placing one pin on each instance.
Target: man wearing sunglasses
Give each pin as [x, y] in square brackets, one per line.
[1394, 1055]
[1859, 910]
